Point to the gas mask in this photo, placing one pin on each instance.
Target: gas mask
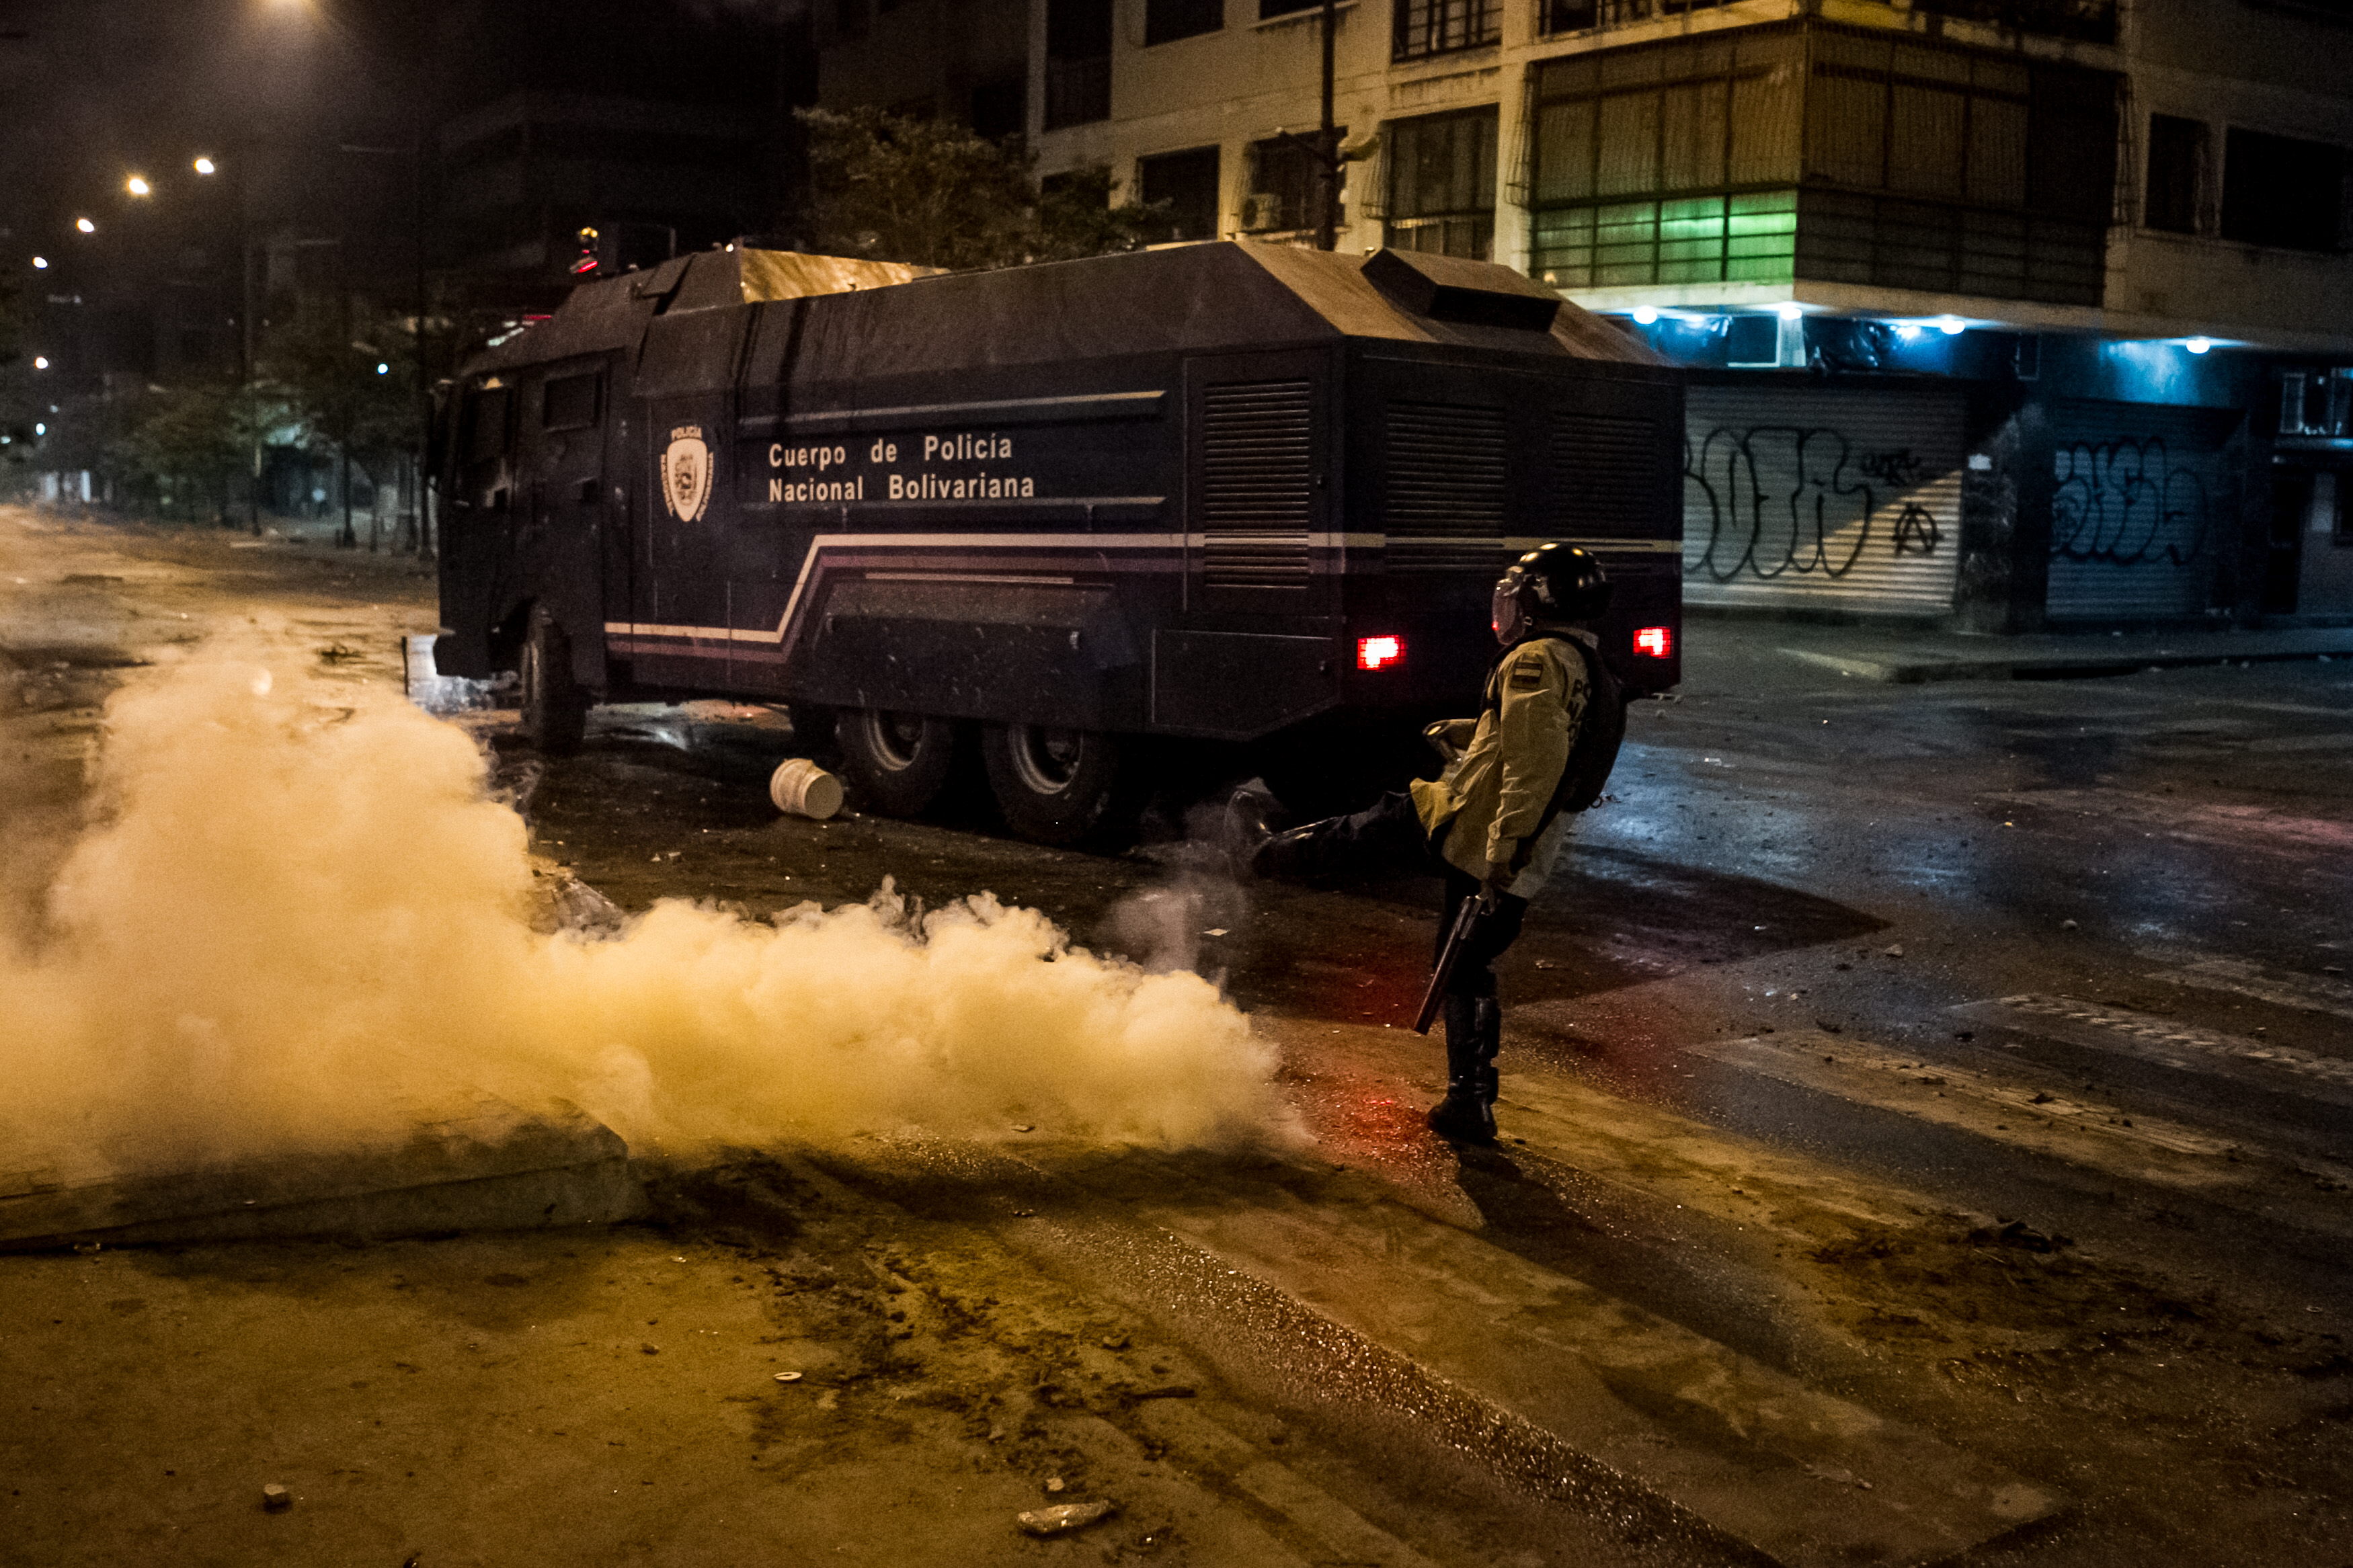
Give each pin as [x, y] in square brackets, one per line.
[1510, 619]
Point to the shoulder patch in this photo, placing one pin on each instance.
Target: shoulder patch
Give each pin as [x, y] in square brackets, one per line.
[1527, 675]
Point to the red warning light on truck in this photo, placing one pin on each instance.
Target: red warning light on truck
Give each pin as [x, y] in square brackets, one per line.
[1379, 653]
[1658, 642]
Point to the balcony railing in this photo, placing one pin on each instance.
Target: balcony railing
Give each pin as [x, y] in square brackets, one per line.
[2089, 21]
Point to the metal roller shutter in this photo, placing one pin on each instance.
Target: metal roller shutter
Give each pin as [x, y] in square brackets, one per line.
[1837, 498]
[2141, 513]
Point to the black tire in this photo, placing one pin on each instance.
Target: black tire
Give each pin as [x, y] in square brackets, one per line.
[554, 707]
[1065, 788]
[897, 761]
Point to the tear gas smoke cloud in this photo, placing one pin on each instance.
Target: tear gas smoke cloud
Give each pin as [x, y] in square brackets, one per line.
[292, 924]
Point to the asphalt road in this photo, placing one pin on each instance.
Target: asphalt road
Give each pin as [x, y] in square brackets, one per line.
[1928, 1119]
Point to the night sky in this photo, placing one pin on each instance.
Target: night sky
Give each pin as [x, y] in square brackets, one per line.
[96, 90]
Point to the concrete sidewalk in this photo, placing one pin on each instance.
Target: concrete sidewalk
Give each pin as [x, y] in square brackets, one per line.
[1904, 656]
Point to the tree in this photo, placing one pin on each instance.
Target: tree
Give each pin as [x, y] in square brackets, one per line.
[347, 372]
[189, 445]
[931, 192]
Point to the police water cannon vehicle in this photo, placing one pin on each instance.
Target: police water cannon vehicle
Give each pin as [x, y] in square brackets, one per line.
[1072, 514]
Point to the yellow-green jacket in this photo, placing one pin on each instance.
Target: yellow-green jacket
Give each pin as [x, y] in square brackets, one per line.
[1491, 798]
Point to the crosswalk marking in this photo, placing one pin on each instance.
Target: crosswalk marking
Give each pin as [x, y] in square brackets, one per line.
[2172, 1044]
[1971, 1101]
[2306, 993]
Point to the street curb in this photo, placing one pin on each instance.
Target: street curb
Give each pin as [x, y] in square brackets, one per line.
[1919, 672]
[489, 1166]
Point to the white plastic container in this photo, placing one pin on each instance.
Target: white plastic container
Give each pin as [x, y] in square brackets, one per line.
[801, 788]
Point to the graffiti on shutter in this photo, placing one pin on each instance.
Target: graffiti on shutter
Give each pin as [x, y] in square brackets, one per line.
[2138, 512]
[1797, 497]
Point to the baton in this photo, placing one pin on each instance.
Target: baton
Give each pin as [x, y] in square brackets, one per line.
[1456, 938]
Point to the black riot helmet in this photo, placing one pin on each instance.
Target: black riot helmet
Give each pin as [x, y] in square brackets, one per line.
[1550, 582]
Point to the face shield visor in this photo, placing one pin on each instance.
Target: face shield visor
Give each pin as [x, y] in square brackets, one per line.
[1510, 619]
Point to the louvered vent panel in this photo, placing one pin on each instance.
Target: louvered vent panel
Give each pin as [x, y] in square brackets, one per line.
[1605, 475]
[1448, 486]
[1258, 481]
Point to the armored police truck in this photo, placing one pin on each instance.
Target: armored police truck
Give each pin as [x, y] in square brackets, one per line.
[1068, 514]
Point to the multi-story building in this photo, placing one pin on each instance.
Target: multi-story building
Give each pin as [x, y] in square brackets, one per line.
[2003, 312]
[520, 179]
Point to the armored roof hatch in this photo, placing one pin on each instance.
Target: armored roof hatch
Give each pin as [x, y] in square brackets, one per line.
[1451, 288]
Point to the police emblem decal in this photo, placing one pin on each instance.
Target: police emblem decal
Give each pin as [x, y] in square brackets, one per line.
[686, 473]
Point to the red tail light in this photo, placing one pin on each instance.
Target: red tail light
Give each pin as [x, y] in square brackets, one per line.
[1658, 642]
[1379, 653]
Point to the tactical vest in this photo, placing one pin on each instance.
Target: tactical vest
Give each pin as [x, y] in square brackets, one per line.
[1600, 731]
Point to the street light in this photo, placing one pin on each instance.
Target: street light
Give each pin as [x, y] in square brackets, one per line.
[40, 362]
[138, 186]
[41, 264]
[84, 225]
[206, 166]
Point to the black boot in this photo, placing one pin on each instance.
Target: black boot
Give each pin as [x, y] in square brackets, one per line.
[1474, 1027]
[1295, 855]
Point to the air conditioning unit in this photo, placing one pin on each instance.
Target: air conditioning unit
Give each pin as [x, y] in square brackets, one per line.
[1262, 210]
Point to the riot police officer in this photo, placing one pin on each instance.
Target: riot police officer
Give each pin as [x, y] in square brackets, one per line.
[1492, 822]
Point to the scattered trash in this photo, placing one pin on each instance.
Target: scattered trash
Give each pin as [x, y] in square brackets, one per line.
[2018, 1233]
[1214, 930]
[1115, 1341]
[650, 1350]
[1826, 1027]
[275, 1499]
[1064, 1518]
[1893, 950]
[2040, 1098]
[2067, 925]
[788, 1377]
[1025, 1127]
[800, 788]
[1174, 1391]
[1053, 1483]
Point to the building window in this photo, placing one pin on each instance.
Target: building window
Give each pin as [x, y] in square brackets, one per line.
[1001, 107]
[1584, 16]
[2279, 191]
[1165, 21]
[1078, 62]
[1441, 27]
[1441, 183]
[2177, 174]
[1810, 151]
[1268, 10]
[1188, 182]
[1283, 188]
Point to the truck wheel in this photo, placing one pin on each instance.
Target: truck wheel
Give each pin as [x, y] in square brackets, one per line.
[1065, 786]
[554, 708]
[899, 761]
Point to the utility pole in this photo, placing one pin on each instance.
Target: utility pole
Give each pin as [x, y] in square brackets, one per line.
[1327, 146]
[1323, 149]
